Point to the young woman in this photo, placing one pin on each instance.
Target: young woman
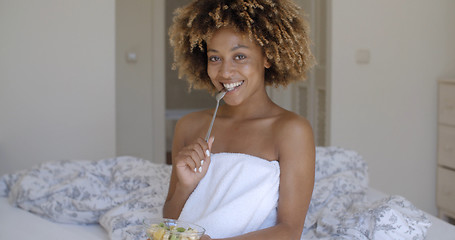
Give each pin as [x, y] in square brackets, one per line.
[240, 47]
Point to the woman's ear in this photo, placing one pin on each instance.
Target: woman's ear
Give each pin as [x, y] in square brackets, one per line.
[267, 63]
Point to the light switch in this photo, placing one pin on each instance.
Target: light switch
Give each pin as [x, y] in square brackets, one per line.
[131, 57]
[362, 56]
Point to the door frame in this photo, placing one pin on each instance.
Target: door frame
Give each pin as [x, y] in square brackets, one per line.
[286, 97]
[158, 103]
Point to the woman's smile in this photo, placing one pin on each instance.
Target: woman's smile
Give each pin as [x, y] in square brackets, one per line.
[232, 86]
[237, 65]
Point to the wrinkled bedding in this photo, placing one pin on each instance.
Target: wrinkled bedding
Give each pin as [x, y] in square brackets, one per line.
[119, 193]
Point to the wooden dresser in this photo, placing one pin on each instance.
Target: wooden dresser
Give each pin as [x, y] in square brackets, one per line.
[445, 191]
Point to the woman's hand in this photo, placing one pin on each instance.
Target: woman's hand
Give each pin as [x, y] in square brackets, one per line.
[206, 237]
[192, 162]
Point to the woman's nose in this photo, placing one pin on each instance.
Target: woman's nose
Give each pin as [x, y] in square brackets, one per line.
[226, 69]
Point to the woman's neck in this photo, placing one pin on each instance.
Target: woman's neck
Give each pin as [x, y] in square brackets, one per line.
[259, 106]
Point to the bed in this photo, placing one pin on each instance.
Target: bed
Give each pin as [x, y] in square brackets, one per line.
[54, 200]
[12, 220]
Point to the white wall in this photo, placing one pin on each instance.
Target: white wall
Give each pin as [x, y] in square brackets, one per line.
[57, 81]
[386, 110]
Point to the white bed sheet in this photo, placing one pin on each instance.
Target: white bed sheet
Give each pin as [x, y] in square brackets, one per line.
[16, 223]
[439, 229]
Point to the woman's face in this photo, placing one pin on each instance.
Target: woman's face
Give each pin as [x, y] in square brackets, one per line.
[235, 64]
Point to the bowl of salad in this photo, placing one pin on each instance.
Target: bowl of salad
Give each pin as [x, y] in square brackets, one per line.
[170, 229]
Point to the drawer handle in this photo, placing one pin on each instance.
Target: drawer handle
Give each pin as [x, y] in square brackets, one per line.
[447, 148]
[449, 106]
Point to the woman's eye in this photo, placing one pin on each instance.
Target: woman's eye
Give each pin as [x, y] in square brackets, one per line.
[214, 59]
[240, 57]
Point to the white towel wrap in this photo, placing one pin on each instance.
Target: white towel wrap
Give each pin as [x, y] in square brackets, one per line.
[239, 194]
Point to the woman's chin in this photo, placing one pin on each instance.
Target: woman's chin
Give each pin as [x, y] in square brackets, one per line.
[232, 101]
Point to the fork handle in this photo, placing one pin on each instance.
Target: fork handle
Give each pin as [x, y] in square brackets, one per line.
[211, 123]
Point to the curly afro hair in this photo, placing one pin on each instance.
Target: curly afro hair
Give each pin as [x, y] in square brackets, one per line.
[278, 26]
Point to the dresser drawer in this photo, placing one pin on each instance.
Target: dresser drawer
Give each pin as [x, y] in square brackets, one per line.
[446, 146]
[446, 103]
[445, 193]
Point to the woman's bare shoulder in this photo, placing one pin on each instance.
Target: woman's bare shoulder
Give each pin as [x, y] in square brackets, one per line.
[292, 129]
[289, 122]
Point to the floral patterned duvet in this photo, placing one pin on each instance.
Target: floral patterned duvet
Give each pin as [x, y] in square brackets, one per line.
[119, 193]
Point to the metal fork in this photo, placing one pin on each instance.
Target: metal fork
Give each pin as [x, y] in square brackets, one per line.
[218, 97]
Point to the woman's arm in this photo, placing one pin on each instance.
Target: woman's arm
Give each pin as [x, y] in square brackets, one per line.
[187, 167]
[297, 161]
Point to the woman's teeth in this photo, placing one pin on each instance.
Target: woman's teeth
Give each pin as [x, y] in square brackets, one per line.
[231, 86]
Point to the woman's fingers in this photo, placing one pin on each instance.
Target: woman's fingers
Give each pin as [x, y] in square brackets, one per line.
[206, 237]
[205, 151]
[184, 159]
[196, 154]
[204, 147]
[190, 158]
[210, 142]
[209, 150]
